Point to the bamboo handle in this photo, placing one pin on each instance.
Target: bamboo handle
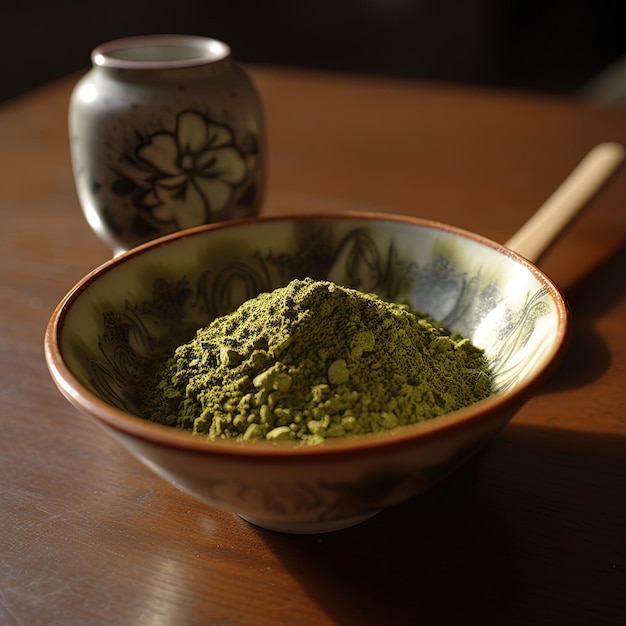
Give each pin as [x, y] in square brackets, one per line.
[534, 238]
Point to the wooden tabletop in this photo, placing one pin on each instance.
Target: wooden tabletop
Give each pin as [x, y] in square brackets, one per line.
[533, 531]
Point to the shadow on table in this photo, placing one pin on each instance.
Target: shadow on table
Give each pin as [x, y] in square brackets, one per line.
[530, 532]
[588, 356]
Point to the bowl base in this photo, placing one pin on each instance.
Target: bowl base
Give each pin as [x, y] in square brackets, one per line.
[308, 528]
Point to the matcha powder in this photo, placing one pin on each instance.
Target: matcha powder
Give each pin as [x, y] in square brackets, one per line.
[314, 360]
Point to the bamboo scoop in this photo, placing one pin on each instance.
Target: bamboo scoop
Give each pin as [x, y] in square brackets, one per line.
[534, 238]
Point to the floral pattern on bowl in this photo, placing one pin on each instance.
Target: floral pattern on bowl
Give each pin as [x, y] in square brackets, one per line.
[178, 305]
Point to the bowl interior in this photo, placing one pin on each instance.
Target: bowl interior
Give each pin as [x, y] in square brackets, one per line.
[156, 296]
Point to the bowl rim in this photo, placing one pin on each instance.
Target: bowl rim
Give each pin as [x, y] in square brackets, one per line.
[423, 433]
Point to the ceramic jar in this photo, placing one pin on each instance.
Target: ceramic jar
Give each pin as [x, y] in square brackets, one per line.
[166, 133]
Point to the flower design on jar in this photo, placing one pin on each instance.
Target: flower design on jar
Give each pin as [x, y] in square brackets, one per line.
[186, 176]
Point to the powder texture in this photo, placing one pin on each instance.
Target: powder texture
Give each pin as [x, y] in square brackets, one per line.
[315, 360]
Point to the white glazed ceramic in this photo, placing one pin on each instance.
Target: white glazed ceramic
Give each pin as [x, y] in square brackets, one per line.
[166, 133]
[159, 293]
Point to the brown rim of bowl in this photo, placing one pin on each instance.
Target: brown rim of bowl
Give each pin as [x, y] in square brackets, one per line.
[424, 432]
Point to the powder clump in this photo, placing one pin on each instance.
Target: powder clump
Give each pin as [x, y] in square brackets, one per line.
[314, 360]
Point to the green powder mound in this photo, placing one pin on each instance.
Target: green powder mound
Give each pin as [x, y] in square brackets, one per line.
[314, 360]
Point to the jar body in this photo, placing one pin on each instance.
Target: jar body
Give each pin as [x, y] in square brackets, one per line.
[160, 146]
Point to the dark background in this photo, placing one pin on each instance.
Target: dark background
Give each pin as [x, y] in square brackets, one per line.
[550, 45]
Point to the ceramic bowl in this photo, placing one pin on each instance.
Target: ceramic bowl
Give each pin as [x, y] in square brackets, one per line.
[161, 292]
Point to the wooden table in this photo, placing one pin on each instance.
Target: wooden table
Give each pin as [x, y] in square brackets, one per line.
[532, 532]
